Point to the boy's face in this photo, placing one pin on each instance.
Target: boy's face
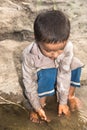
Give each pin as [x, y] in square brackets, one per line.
[52, 50]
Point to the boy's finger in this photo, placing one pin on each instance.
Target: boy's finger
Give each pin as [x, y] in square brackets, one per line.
[46, 120]
[60, 112]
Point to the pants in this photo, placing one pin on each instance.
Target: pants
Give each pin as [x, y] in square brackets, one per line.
[47, 80]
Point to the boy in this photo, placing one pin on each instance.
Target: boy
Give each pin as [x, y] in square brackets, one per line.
[49, 65]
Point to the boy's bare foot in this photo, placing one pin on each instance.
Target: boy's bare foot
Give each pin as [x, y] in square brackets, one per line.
[74, 103]
[34, 117]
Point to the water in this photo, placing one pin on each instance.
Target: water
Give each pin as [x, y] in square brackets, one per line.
[13, 117]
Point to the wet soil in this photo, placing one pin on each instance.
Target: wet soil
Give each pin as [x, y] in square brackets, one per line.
[13, 117]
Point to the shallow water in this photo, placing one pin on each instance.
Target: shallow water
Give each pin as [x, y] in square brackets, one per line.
[14, 118]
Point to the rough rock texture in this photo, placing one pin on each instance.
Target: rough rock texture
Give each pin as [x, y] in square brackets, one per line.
[10, 69]
[16, 32]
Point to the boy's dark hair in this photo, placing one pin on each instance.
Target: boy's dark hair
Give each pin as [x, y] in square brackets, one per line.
[51, 27]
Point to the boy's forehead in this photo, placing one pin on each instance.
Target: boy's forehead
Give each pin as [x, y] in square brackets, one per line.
[53, 46]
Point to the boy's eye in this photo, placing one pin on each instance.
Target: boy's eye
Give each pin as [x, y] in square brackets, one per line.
[48, 51]
[55, 50]
[61, 48]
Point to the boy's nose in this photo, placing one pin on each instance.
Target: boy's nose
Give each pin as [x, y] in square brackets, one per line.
[54, 55]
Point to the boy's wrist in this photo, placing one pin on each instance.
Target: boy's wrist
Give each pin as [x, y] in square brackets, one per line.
[38, 110]
[63, 105]
[64, 102]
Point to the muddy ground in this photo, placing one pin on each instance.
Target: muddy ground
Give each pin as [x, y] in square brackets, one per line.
[14, 37]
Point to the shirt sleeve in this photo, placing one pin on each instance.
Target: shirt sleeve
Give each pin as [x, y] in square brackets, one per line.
[30, 81]
[64, 74]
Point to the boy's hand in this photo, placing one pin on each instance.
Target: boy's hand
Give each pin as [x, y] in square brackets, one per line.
[42, 114]
[63, 109]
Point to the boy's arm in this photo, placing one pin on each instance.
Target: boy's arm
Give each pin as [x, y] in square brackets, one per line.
[30, 84]
[30, 81]
[64, 75]
[65, 64]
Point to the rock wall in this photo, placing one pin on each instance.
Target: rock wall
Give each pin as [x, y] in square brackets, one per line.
[16, 32]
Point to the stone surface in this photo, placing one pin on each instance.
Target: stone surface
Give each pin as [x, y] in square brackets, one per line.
[16, 32]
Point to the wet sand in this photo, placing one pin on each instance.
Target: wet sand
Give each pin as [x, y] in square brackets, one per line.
[14, 118]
